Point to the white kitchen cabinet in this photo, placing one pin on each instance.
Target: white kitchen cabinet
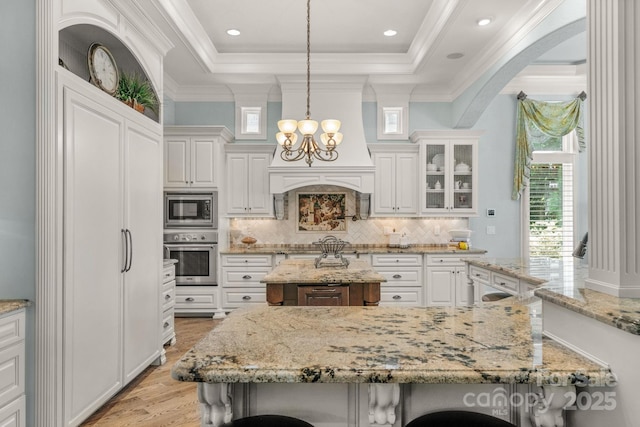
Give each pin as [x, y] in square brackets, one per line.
[448, 172]
[12, 363]
[404, 285]
[192, 155]
[446, 283]
[247, 185]
[196, 300]
[113, 248]
[396, 179]
[168, 303]
[241, 275]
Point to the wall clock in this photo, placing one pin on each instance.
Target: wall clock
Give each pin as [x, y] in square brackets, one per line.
[103, 68]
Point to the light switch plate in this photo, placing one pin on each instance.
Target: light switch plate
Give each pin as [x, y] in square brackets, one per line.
[491, 229]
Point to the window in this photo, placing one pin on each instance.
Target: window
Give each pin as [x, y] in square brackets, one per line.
[549, 202]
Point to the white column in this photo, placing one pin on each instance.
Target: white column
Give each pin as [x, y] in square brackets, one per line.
[614, 146]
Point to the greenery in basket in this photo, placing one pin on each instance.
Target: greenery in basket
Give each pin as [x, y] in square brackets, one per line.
[136, 89]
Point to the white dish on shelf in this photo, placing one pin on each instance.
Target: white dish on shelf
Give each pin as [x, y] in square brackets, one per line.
[438, 160]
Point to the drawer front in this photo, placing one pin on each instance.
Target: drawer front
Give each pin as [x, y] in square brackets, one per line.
[247, 260]
[479, 274]
[243, 277]
[232, 298]
[195, 301]
[454, 260]
[168, 274]
[408, 296]
[395, 259]
[168, 298]
[12, 372]
[168, 325]
[503, 281]
[12, 329]
[401, 276]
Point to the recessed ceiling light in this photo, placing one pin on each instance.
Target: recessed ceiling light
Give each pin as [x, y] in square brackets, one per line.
[233, 32]
[484, 21]
[456, 55]
[390, 33]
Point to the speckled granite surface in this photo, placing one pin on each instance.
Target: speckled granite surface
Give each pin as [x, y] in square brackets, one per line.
[563, 284]
[304, 271]
[351, 249]
[9, 305]
[498, 343]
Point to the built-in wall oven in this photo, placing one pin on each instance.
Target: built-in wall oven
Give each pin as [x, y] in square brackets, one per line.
[196, 252]
[193, 210]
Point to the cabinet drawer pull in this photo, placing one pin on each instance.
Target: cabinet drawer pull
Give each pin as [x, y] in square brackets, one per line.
[477, 274]
[502, 284]
[166, 325]
[397, 297]
[189, 299]
[397, 260]
[397, 276]
[246, 260]
[167, 275]
[167, 297]
[246, 297]
[246, 277]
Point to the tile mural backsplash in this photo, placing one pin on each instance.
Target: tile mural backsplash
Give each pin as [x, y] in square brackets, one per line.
[370, 231]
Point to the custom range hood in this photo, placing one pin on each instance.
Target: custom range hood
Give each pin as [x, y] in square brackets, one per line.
[353, 169]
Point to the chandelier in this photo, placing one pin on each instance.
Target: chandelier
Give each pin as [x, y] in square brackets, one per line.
[308, 148]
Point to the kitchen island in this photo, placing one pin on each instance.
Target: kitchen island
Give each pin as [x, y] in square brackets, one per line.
[323, 363]
[300, 282]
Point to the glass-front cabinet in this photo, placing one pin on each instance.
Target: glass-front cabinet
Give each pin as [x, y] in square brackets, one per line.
[449, 161]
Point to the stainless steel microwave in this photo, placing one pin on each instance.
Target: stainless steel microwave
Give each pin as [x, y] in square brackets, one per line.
[191, 210]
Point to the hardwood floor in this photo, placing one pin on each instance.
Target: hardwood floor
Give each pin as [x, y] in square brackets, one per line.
[154, 398]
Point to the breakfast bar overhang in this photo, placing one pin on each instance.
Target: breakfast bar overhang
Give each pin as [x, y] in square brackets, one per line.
[381, 355]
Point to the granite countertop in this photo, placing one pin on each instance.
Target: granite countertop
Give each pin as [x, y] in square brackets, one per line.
[302, 271]
[562, 282]
[10, 305]
[168, 262]
[497, 343]
[351, 249]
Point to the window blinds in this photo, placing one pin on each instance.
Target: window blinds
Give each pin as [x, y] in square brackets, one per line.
[551, 210]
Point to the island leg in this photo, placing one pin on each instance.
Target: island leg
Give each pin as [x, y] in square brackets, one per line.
[383, 400]
[215, 404]
[552, 401]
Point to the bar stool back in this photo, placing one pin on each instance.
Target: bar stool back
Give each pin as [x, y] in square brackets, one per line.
[458, 418]
[268, 421]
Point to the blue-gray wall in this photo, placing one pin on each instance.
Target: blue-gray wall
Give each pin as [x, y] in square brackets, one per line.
[17, 164]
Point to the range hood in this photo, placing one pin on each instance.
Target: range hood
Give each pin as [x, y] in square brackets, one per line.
[353, 168]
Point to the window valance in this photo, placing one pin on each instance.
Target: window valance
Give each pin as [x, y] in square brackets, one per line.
[537, 121]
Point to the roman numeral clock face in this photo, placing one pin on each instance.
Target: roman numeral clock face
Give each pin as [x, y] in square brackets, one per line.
[103, 68]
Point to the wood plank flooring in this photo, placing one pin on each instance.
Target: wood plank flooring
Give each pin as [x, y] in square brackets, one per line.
[154, 399]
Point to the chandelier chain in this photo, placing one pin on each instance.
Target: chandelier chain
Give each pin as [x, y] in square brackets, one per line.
[308, 59]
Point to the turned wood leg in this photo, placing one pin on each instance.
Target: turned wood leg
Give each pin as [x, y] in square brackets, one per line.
[383, 400]
[215, 404]
[549, 409]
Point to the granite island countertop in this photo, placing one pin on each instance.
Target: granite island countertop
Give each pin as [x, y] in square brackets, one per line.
[562, 282]
[301, 271]
[289, 249]
[497, 343]
[11, 305]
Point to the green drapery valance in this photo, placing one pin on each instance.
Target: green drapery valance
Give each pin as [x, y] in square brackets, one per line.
[538, 119]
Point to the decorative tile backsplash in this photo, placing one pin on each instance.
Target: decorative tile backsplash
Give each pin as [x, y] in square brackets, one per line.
[370, 231]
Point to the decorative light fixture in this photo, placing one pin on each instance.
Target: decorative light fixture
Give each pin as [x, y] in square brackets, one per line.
[308, 149]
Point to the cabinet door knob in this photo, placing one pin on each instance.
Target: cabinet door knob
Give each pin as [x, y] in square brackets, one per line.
[166, 324]
[397, 297]
[189, 299]
[246, 297]
[397, 276]
[167, 297]
[246, 277]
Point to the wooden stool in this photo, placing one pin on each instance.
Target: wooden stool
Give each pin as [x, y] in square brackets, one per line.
[458, 418]
[496, 296]
[268, 421]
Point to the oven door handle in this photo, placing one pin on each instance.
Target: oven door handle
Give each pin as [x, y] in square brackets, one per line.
[190, 246]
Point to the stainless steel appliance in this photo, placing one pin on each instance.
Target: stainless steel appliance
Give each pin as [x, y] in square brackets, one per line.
[182, 209]
[196, 252]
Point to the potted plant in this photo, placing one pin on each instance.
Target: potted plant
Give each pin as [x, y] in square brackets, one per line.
[136, 91]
